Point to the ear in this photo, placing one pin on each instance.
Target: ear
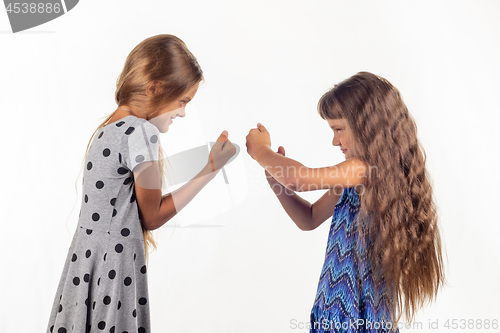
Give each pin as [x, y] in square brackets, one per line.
[152, 88]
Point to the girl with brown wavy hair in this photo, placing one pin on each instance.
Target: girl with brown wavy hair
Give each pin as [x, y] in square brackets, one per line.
[383, 257]
[104, 282]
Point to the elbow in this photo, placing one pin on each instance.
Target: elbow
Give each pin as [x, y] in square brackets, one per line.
[149, 225]
[154, 222]
[306, 227]
[150, 222]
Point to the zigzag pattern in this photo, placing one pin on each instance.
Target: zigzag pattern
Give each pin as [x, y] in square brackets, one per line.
[345, 300]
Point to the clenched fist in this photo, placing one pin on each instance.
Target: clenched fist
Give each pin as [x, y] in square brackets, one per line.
[221, 152]
[257, 139]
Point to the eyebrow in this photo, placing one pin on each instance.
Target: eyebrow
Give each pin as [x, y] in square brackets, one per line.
[187, 99]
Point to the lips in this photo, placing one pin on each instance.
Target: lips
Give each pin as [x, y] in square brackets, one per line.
[344, 150]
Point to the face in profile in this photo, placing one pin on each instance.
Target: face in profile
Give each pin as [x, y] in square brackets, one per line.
[342, 136]
[174, 109]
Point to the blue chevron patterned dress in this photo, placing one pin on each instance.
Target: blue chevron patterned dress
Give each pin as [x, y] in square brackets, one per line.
[346, 301]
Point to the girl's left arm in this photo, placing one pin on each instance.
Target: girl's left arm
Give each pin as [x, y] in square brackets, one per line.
[297, 177]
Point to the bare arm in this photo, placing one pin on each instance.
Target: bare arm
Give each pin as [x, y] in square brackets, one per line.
[155, 209]
[306, 216]
[297, 177]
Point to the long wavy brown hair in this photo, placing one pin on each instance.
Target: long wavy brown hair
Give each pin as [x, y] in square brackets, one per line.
[398, 217]
[166, 61]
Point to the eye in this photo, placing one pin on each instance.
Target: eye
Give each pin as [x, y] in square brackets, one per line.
[183, 102]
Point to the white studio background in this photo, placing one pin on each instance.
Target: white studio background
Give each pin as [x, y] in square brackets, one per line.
[233, 261]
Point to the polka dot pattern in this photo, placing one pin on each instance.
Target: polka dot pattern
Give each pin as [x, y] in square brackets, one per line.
[105, 287]
[127, 281]
[122, 171]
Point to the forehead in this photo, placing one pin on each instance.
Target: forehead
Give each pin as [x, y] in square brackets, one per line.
[191, 92]
[337, 122]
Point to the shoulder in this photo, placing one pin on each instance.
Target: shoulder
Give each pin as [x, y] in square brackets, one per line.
[356, 168]
[142, 130]
[356, 164]
[145, 124]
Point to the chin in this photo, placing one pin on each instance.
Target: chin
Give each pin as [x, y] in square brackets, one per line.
[164, 128]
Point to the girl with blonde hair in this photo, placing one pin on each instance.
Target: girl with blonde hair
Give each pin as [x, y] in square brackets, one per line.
[103, 286]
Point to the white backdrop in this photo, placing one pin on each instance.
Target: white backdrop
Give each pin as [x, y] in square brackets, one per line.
[233, 261]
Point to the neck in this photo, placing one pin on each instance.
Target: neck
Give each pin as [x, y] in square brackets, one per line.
[125, 109]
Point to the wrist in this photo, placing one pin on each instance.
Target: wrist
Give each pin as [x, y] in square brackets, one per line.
[261, 153]
[209, 169]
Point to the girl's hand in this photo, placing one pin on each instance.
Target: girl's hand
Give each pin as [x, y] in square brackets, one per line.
[257, 138]
[221, 152]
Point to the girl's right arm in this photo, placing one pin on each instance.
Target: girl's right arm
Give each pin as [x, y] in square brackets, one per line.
[156, 209]
[306, 216]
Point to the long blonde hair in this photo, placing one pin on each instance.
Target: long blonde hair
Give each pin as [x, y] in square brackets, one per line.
[166, 61]
[399, 216]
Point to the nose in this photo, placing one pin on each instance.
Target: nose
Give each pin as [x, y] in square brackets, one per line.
[182, 112]
[335, 141]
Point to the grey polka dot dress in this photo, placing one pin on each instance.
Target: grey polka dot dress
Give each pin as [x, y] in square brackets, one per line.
[103, 287]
